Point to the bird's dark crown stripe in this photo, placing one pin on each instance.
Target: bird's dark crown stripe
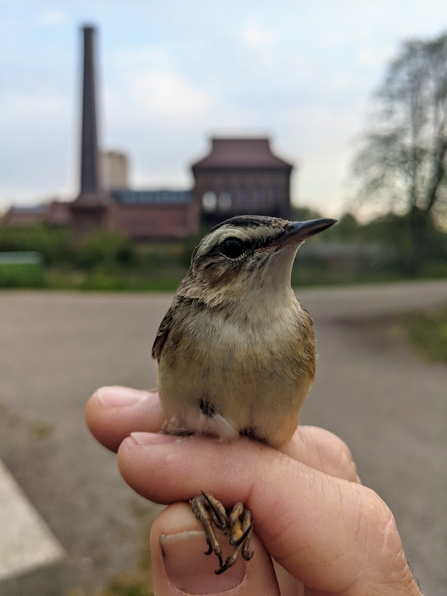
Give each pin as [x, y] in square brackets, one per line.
[248, 221]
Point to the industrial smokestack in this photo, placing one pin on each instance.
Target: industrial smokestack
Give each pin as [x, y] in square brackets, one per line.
[90, 175]
[89, 211]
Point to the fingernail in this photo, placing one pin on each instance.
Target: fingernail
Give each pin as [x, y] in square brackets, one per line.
[120, 397]
[190, 571]
[153, 438]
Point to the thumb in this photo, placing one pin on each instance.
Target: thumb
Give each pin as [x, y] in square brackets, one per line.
[180, 566]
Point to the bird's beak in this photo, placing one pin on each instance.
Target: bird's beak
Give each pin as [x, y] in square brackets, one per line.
[299, 231]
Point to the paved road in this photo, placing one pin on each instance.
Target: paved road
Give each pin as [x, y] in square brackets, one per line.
[57, 348]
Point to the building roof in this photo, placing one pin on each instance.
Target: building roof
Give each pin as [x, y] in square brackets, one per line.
[241, 153]
[152, 197]
[28, 210]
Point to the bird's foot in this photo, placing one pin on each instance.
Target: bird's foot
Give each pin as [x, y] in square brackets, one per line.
[237, 523]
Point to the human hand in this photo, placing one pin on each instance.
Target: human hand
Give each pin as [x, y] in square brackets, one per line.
[329, 534]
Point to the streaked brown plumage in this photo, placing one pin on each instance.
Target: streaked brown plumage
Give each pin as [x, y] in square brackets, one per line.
[236, 349]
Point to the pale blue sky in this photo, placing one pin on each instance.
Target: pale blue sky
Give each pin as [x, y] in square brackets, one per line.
[174, 72]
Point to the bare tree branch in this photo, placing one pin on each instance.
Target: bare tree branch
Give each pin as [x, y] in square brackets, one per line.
[400, 166]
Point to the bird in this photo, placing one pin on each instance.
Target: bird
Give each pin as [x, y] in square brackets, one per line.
[236, 351]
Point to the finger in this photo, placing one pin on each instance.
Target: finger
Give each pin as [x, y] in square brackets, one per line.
[112, 413]
[322, 450]
[331, 534]
[180, 566]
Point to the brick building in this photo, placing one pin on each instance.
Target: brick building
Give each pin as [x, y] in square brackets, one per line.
[141, 215]
[54, 213]
[154, 214]
[241, 176]
[238, 176]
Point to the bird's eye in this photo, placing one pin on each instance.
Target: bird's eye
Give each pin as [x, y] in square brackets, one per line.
[233, 248]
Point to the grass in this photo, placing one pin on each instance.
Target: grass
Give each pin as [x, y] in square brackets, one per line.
[162, 271]
[139, 581]
[167, 279]
[151, 281]
[134, 582]
[426, 332]
[138, 584]
[41, 430]
[23, 275]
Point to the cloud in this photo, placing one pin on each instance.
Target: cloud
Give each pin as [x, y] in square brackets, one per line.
[52, 17]
[255, 36]
[36, 159]
[333, 39]
[325, 152]
[166, 94]
[149, 82]
[375, 57]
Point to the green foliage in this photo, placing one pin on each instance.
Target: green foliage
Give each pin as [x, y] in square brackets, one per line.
[161, 257]
[114, 283]
[302, 213]
[427, 333]
[401, 163]
[27, 275]
[188, 246]
[347, 229]
[108, 249]
[349, 252]
[53, 243]
[395, 233]
[129, 590]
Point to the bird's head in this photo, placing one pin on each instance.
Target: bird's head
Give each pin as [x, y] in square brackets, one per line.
[248, 253]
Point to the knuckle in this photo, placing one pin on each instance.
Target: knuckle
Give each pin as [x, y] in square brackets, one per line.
[346, 462]
[337, 457]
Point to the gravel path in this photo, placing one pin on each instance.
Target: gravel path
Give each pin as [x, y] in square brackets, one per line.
[57, 348]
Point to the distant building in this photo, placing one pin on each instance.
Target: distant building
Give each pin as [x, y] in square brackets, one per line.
[58, 213]
[54, 213]
[114, 170]
[25, 216]
[104, 199]
[242, 176]
[238, 176]
[154, 214]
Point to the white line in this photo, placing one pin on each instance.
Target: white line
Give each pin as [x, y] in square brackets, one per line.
[26, 542]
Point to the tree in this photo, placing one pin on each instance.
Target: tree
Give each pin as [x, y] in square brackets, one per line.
[401, 165]
[106, 248]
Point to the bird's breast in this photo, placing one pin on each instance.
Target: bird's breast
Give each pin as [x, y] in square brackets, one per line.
[238, 365]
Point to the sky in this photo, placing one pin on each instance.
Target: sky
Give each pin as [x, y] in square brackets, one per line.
[174, 73]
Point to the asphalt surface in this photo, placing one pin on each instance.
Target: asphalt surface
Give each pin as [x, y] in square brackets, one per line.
[57, 348]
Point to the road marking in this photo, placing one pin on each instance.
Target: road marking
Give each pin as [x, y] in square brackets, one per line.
[26, 542]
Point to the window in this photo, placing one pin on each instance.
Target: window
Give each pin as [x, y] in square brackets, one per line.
[274, 194]
[225, 201]
[209, 201]
[242, 197]
[258, 197]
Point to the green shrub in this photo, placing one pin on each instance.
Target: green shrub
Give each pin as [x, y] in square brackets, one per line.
[107, 248]
[22, 275]
[427, 333]
[53, 243]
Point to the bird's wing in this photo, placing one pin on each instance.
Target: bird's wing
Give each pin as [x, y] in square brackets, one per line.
[163, 332]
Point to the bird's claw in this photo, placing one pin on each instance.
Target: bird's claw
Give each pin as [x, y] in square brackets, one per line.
[237, 523]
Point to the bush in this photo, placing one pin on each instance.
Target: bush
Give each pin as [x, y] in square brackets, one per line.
[53, 243]
[106, 248]
[23, 275]
[427, 332]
